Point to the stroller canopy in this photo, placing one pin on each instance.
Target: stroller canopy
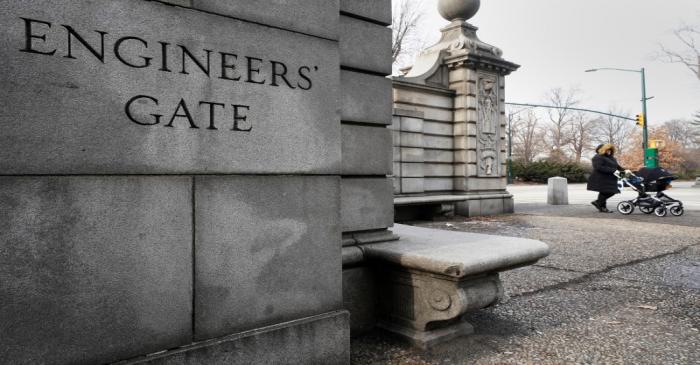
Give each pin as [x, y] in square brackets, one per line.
[656, 173]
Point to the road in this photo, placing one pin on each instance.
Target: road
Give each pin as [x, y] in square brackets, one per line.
[578, 194]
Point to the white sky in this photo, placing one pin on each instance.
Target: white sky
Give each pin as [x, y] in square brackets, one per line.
[554, 41]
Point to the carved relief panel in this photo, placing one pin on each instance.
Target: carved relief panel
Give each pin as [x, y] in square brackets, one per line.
[488, 125]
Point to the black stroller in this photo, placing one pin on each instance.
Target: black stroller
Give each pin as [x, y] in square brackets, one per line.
[648, 180]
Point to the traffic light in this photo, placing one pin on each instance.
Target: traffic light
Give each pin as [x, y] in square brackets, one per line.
[640, 120]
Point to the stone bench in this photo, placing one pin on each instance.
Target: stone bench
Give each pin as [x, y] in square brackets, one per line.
[429, 278]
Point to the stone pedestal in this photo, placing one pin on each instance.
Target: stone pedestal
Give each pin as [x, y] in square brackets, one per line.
[557, 191]
[425, 308]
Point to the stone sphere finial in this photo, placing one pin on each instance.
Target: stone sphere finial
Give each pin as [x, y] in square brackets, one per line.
[458, 9]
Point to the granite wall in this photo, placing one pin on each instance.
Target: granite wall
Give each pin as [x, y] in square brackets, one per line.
[366, 193]
[176, 178]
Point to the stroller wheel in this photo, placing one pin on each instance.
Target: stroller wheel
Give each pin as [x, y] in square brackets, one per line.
[676, 210]
[625, 208]
[646, 210]
[660, 211]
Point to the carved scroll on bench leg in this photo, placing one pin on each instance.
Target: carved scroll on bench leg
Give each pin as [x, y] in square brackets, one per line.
[427, 308]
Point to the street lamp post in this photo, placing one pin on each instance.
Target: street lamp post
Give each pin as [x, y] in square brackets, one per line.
[510, 151]
[645, 133]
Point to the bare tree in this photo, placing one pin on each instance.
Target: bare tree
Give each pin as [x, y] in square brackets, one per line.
[558, 130]
[614, 130]
[688, 53]
[404, 25]
[526, 136]
[682, 132]
[582, 130]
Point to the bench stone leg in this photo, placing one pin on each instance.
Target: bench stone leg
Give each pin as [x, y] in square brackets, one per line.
[426, 308]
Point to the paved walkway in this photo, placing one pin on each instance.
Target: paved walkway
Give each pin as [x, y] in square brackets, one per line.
[615, 290]
[578, 194]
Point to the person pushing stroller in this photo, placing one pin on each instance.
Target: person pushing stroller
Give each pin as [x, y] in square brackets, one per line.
[603, 179]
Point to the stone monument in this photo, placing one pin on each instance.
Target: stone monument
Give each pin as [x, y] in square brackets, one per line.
[449, 122]
[207, 182]
[177, 177]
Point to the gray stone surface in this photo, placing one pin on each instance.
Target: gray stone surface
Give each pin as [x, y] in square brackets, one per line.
[186, 3]
[410, 124]
[315, 17]
[412, 185]
[409, 139]
[557, 191]
[440, 128]
[424, 97]
[441, 170]
[439, 184]
[458, 9]
[697, 182]
[364, 237]
[321, 339]
[94, 269]
[68, 115]
[261, 245]
[441, 156]
[352, 256]
[495, 184]
[412, 170]
[360, 299]
[438, 142]
[412, 154]
[455, 254]
[365, 98]
[366, 150]
[377, 10]
[491, 206]
[508, 205]
[363, 45]
[366, 204]
[424, 308]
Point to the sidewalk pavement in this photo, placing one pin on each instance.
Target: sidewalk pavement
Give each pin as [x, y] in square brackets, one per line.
[615, 290]
[681, 190]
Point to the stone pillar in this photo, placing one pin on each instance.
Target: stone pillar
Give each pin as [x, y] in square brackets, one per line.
[164, 200]
[473, 73]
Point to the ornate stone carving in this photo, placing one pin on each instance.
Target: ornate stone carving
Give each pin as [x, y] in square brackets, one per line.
[488, 125]
[426, 309]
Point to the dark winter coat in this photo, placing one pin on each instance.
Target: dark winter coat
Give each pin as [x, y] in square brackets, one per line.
[603, 179]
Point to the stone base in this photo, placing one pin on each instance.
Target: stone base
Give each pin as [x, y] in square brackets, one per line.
[322, 339]
[359, 298]
[428, 339]
[426, 207]
[476, 207]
